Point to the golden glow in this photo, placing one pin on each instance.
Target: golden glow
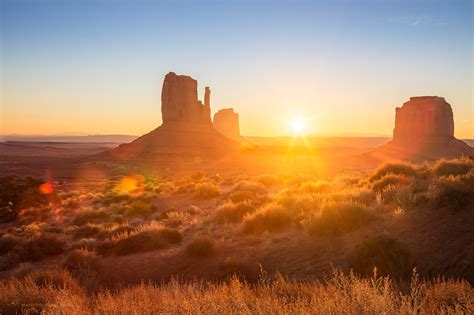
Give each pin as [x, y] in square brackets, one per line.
[131, 185]
[298, 127]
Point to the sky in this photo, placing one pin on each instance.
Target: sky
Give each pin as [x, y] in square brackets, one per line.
[342, 67]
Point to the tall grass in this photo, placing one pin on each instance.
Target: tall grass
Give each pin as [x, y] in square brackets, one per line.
[341, 294]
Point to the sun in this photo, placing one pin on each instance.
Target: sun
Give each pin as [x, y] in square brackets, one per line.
[297, 126]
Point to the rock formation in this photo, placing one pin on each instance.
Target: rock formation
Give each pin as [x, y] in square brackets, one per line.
[226, 121]
[424, 119]
[424, 129]
[179, 101]
[186, 130]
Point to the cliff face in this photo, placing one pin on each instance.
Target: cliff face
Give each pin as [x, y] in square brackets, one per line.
[424, 130]
[226, 121]
[425, 119]
[179, 101]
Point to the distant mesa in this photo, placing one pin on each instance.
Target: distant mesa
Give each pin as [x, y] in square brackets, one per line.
[186, 130]
[226, 121]
[424, 129]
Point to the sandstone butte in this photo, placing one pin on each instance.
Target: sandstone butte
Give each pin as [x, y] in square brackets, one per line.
[226, 121]
[424, 130]
[186, 130]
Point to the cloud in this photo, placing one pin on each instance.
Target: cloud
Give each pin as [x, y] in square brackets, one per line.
[417, 20]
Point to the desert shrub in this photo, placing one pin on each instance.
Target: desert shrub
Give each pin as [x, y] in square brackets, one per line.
[206, 190]
[233, 212]
[239, 196]
[388, 255]
[38, 246]
[202, 246]
[90, 230]
[82, 261]
[140, 208]
[46, 291]
[338, 218]
[176, 218]
[91, 216]
[268, 180]
[146, 240]
[390, 180]
[315, 187]
[7, 242]
[453, 167]
[452, 192]
[246, 185]
[18, 193]
[271, 217]
[84, 243]
[298, 203]
[397, 168]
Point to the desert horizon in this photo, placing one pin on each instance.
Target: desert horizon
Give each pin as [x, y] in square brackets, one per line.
[236, 157]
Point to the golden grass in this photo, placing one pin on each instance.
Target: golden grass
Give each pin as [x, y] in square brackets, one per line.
[341, 294]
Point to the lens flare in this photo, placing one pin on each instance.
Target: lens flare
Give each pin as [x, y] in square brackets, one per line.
[131, 185]
[46, 188]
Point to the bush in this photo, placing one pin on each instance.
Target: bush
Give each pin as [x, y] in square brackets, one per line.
[453, 167]
[82, 261]
[246, 185]
[140, 208]
[206, 190]
[239, 196]
[271, 217]
[90, 230]
[454, 193]
[268, 180]
[339, 218]
[55, 278]
[389, 255]
[390, 180]
[39, 246]
[233, 212]
[91, 216]
[18, 193]
[400, 168]
[147, 240]
[201, 247]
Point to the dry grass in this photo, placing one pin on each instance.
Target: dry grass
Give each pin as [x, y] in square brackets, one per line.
[341, 294]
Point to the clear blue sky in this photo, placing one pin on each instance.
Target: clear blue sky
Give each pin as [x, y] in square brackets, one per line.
[343, 66]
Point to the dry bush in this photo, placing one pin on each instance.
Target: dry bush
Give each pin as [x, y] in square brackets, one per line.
[140, 208]
[268, 180]
[176, 218]
[147, 238]
[91, 216]
[233, 212]
[82, 261]
[390, 257]
[50, 291]
[271, 217]
[206, 190]
[250, 186]
[90, 230]
[338, 218]
[390, 180]
[315, 187]
[38, 246]
[397, 168]
[201, 247]
[455, 167]
[453, 192]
